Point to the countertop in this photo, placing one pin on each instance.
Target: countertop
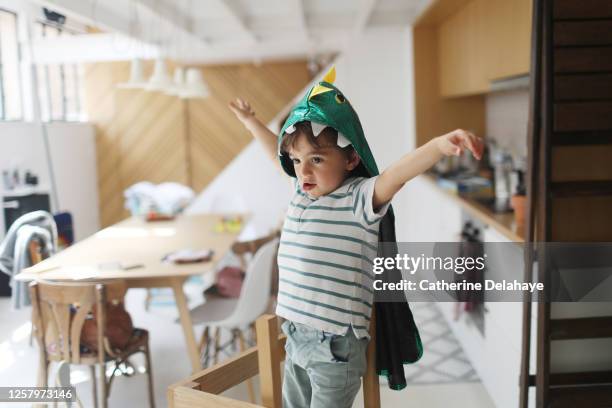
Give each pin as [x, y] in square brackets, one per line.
[504, 223]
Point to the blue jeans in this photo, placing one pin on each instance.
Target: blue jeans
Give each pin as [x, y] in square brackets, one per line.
[322, 369]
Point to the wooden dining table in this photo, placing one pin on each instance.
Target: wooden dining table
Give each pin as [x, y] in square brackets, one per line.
[134, 250]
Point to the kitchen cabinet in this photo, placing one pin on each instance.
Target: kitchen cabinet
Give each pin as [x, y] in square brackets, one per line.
[495, 353]
[508, 25]
[483, 41]
[462, 50]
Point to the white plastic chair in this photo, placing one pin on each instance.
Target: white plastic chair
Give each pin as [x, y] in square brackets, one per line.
[231, 313]
[235, 314]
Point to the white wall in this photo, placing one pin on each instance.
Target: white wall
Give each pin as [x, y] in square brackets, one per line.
[376, 75]
[73, 153]
[73, 156]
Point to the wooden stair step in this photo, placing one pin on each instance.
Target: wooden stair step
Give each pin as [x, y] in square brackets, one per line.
[577, 378]
[593, 137]
[581, 188]
[583, 378]
[581, 396]
[582, 87]
[581, 328]
[581, 116]
[581, 9]
[582, 59]
[580, 33]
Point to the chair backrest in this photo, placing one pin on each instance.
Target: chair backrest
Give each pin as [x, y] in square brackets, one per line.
[255, 291]
[36, 218]
[244, 248]
[59, 311]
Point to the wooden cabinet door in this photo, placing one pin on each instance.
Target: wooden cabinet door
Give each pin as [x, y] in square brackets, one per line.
[483, 41]
[508, 27]
[461, 43]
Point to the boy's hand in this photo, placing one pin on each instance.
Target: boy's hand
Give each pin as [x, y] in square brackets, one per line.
[453, 143]
[242, 109]
[414, 163]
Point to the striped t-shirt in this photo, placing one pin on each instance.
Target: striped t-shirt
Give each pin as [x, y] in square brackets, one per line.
[324, 259]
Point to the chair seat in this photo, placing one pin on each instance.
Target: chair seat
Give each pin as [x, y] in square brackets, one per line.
[214, 311]
[139, 339]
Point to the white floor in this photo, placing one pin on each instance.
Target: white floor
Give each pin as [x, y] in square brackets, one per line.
[18, 365]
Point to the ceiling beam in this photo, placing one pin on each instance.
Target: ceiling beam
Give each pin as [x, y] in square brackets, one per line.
[89, 12]
[267, 50]
[179, 19]
[99, 47]
[94, 13]
[365, 11]
[238, 21]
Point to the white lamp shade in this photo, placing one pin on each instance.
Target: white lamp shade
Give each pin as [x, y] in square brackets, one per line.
[177, 83]
[136, 80]
[194, 87]
[160, 80]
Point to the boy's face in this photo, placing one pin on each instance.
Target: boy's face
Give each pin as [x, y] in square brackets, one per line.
[320, 170]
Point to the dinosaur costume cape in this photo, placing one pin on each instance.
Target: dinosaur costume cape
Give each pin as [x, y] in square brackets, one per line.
[397, 337]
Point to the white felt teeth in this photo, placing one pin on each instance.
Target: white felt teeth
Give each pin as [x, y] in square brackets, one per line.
[317, 128]
[342, 140]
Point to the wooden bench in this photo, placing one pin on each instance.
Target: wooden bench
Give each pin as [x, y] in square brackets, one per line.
[203, 388]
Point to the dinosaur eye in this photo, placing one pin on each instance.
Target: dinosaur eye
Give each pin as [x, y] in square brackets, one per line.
[340, 98]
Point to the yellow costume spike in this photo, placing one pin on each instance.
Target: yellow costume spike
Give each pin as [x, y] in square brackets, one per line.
[329, 77]
[318, 89]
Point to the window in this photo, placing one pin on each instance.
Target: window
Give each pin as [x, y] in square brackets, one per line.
[10, 81]
[59, 85]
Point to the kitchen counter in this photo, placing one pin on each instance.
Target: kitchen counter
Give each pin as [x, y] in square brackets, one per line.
[504, 223]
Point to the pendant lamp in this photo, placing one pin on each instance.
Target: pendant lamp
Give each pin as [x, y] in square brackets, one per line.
[194, 86]
[160, 80]
[177, 83]
[136, 80]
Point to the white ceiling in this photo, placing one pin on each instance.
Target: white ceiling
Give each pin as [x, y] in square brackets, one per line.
[219, 31]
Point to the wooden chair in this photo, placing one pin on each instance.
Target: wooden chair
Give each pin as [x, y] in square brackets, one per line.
[203, 388]
[59, 311]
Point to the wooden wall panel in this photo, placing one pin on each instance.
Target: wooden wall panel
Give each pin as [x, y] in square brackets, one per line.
[155, 137]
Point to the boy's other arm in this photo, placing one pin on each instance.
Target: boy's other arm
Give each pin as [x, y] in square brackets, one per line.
[418, 161]
[246, 115]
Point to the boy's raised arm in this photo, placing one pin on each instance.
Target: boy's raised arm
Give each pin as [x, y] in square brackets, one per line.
[418, 161]
[246, 115]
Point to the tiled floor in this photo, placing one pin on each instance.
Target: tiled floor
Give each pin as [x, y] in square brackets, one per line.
[441, 379]
[443, 359]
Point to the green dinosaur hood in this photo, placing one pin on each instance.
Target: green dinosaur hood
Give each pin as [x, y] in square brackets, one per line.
[326, 105]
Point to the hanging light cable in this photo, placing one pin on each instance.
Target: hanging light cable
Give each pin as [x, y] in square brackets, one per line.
[160, 79]
[136, 80]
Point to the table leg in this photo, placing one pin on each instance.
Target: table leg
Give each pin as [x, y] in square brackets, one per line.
[185, 317]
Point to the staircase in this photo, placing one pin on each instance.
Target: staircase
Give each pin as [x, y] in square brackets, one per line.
[570, 181]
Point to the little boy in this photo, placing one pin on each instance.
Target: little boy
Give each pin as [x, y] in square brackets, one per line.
[331, 228]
